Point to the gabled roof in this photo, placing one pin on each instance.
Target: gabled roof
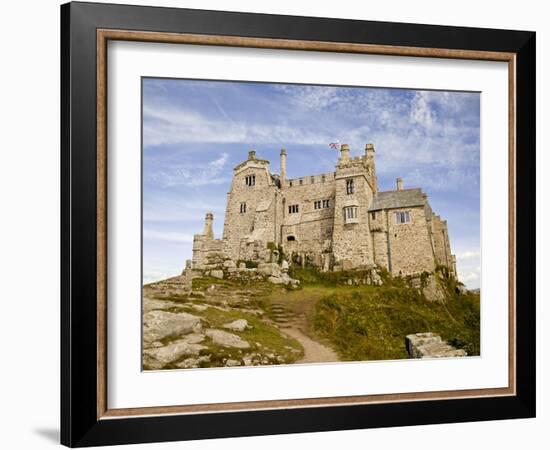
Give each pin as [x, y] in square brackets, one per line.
[397, 199]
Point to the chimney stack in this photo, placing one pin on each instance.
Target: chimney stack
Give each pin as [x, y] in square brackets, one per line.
[208, 232]
[344, 152]
[399, 183]
[252, 154]
[283, 167]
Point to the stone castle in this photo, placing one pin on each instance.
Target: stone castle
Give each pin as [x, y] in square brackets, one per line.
[335, 221]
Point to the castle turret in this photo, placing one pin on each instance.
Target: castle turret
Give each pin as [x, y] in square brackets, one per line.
[208, 231]
[283, 167]
[344, 153]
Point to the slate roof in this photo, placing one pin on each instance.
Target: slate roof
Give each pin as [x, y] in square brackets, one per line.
[397, 199]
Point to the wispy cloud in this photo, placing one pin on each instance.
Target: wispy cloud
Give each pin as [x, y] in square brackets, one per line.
[468, 254]
[193, 174]
[175, 126]
[151, 276]
[170, 236]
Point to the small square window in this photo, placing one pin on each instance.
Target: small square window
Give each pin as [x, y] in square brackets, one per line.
[293, 209]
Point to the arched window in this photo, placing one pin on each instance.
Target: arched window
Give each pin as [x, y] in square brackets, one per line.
[290, 238]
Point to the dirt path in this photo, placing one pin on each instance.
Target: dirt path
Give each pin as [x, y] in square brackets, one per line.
[291, 316]
[313, 351]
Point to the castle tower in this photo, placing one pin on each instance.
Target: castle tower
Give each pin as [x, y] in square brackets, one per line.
[354, 191]
[250, 214]
[208, 232]
[283, 167]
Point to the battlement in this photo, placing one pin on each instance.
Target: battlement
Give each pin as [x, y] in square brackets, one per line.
[311, 179]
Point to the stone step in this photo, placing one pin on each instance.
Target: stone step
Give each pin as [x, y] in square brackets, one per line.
[430, 345]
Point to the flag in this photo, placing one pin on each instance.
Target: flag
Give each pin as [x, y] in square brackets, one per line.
[334, 145]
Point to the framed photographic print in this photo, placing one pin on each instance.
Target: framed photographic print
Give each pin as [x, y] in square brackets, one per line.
[276, 224]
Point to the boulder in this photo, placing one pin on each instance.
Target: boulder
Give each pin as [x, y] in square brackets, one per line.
[150, 304]
[237, 325]
[228, 263]
[175, 350]
[232, 363]
[226, 339]
[200, 308]
[461, 289]
[216, 274]
[269, 268]
[275, 280]
[160, 324]
[433, 291]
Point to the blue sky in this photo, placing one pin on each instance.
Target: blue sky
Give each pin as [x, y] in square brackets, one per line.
[195, 132]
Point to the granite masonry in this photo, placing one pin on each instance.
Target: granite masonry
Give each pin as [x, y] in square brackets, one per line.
[335, 221]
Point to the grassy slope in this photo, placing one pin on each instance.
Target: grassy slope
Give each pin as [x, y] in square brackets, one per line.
[371, 322]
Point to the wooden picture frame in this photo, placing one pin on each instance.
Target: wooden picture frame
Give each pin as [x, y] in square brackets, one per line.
[86, 418]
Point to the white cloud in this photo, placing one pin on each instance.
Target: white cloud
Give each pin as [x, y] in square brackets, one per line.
[311, 97]
[151, 276]
[471, 278]
[195, 174]
[170, 236]
[408, 128]
[468, 262]
[421, 112]
[442, 180]
[173, 126]
[468, 254]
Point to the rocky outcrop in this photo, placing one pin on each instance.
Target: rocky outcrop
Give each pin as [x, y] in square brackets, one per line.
[430, 345]
[433, 290]
[237, 325]
[226, 339]
[158, 325]
[156, 358]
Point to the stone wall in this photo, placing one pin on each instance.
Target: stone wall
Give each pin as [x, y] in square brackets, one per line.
[410, 248]
[309, 231]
